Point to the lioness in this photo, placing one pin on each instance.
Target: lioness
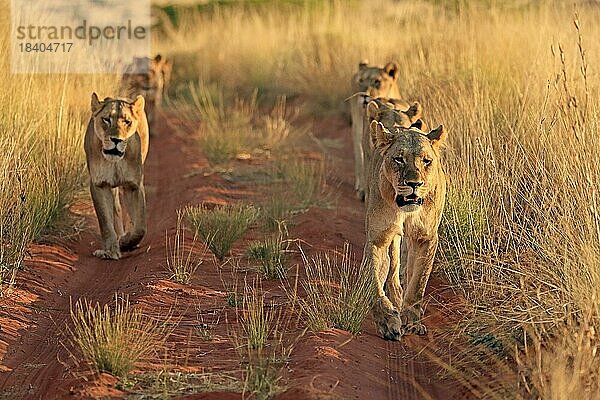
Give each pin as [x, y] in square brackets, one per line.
[391, 112]
[372, 81]
[407, 189]
[116, 144]
[147, 77]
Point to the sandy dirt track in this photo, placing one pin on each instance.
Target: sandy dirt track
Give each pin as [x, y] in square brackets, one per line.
[36, 364]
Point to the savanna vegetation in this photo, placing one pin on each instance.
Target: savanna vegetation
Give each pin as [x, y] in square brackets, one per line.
[516, 86]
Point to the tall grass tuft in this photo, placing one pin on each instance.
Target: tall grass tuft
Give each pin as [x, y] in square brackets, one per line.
[181, 263]
[338, 293]
[306, 179]
[262, 346]
[272, 253]
[230, 126]
[113, 339]
[220, 227]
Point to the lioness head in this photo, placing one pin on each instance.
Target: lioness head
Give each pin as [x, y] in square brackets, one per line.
[395, 113]
[147, 76]
[115, 121]
[376, 81]
[410, 161]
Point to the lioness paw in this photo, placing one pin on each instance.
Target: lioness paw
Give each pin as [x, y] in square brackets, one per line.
[411, 323]
[107, 254]
[390, 327]
[130, 241]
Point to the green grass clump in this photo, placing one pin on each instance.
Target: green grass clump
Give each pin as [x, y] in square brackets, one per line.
[113, 339]
[339, 293]
[260, 343]
[272, 253]
[306, 179]
[262, 377]
[220, 227]
[276, 210]
[181, 263]
[464, 225]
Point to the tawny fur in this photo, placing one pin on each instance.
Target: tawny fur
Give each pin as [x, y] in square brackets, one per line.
[373, 81]
[123, 121]
[147, 77]
[401, 241]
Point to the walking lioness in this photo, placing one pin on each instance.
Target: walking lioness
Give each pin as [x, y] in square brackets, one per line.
[407, 188]
[373, 81]
[116, 144]
[147, 77]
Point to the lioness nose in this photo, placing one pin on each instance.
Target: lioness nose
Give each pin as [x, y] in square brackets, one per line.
[116, 141]
[414, 184]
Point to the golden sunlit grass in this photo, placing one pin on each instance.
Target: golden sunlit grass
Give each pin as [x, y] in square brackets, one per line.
[182, 261]
[42, 121]
[338, 292]
[221, 226]
[113, 339]
[521, 235]
[515, 85]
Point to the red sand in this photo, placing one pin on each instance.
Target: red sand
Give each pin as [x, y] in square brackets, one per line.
[36, 360]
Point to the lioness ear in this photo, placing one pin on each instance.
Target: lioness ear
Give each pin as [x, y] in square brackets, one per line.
[95, 103]
[138, 104]
[363, 64]
[392, 69]
[380, 137]
[437, 136]
[167, 68]
[373, 110]
[414, 112]
[417, 124]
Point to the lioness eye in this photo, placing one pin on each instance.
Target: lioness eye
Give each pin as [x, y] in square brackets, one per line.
[399, 160]
[128, 122]
[427, 162]
[377, 83]
[106, 120]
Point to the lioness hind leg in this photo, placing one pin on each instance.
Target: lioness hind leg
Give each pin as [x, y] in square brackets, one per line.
[103, 200]
[135, 201]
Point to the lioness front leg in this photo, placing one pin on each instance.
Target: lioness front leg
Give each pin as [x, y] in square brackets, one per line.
[386, 315]
[420, 264]
[135, 201]
[102, 197]
[394, 288]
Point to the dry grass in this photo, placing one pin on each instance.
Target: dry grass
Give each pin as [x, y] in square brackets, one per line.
[42, 120]
[306, 179]
[520, 235]
[233, 125]
[338, 293]
[181, 262]
[262, 345]
[113, 339]
[220, 227]
[272, 253]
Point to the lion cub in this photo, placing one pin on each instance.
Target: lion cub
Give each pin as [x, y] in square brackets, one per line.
[116, 144]
[407, 188]
[147, 77]
[372, 81]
